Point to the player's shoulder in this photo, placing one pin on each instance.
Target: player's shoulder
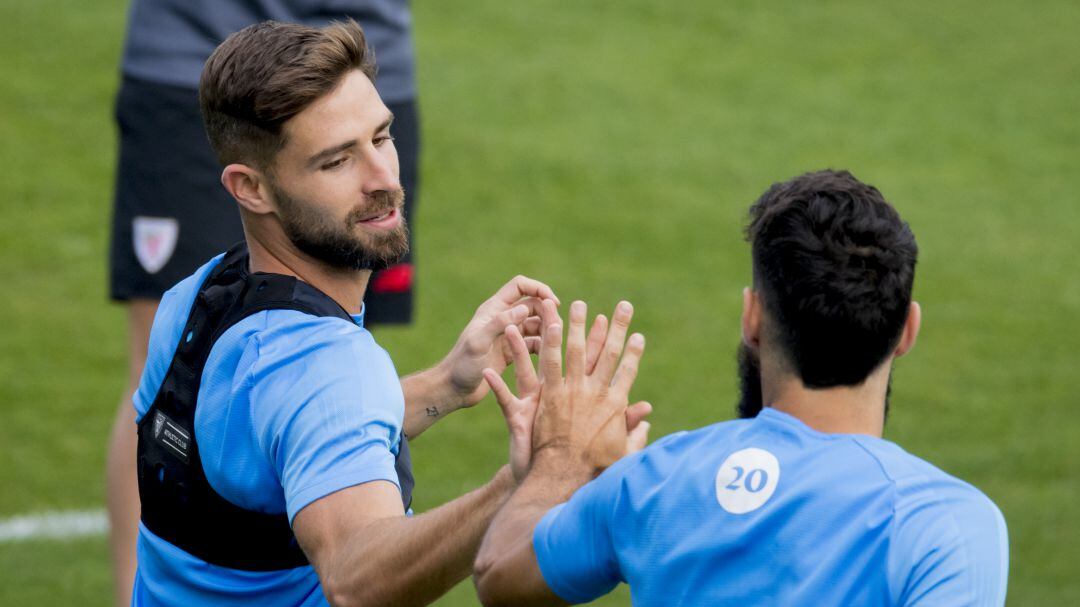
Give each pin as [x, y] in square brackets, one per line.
[294, 328]
[925, 487]
[927, 495]
[712, 439]
[296, 370]
[916, 478]
[682, 441]
[669, 454]
[948, 537]
[687, 439]
[177, 301]
[284, 343]
[279, 339]
[274, 327]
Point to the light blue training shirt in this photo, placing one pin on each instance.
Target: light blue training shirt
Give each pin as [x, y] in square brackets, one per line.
[768, 511]
[292, 407]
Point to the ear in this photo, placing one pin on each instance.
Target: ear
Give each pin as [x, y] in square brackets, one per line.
[751, 318]
[911, 330]
[249, 187]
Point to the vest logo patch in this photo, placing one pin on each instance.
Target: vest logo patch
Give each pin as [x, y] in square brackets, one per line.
[155, 240]
[176, 440]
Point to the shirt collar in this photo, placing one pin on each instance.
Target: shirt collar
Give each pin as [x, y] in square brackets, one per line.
[359, 318]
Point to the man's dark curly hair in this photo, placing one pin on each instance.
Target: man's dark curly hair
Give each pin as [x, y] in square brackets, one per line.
[834, 265]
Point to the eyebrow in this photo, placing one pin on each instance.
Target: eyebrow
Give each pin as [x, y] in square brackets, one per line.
[341, 147]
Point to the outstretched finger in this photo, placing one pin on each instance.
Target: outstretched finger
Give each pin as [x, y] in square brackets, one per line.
[524, 374]
[503, 395]
[628, 368]
[575, 341]
[551, 346]
[595, 343]
[616, 338]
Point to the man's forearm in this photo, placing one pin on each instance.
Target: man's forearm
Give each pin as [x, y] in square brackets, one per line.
[506, 570]
[413, 561]
[429, 397]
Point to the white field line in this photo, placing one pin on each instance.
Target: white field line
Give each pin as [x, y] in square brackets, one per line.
[65, 525]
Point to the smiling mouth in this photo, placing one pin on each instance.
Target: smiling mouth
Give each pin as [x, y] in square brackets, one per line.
[379, 216]
[382, 219]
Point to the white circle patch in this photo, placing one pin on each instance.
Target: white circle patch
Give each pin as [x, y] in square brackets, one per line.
[746, 480]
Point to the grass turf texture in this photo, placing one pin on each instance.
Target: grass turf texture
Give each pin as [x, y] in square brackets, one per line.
[611, 149]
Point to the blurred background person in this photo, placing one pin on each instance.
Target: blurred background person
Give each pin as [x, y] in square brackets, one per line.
[171, 213]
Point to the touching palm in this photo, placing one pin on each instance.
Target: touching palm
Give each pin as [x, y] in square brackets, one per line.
[520, 410]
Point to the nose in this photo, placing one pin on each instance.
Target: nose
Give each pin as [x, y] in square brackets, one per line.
[381, 172]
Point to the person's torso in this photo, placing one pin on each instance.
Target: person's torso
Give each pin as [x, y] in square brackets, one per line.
[234, 455]
[767, 512]
[168, 41]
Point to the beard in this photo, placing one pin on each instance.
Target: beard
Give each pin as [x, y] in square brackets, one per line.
[337, 244]
[749, 366]
[750, 401]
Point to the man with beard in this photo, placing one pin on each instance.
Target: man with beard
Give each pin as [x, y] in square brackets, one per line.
[170, 213]
[273, 456]
[801, 504]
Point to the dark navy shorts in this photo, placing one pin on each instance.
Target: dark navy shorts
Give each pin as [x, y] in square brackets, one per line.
[171, 214]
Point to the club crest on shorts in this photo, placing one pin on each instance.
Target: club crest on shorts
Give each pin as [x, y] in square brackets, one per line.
[155, 240]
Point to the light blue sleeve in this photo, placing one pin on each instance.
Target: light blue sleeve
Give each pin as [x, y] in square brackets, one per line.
[950, 550]
[573, 541]
[327, 409]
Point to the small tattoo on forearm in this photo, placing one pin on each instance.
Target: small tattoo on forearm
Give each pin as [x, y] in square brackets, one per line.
[432, 411]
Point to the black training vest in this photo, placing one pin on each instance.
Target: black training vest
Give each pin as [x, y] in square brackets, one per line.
[178, 504]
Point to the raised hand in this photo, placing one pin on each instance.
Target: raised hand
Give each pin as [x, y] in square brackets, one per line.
[520, 410]
[483, 343]
[582, 419]
[580, 428]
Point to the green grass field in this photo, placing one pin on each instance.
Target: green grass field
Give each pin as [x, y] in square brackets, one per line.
[611, 148]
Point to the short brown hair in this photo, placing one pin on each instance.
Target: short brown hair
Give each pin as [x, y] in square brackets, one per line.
[265, 74]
